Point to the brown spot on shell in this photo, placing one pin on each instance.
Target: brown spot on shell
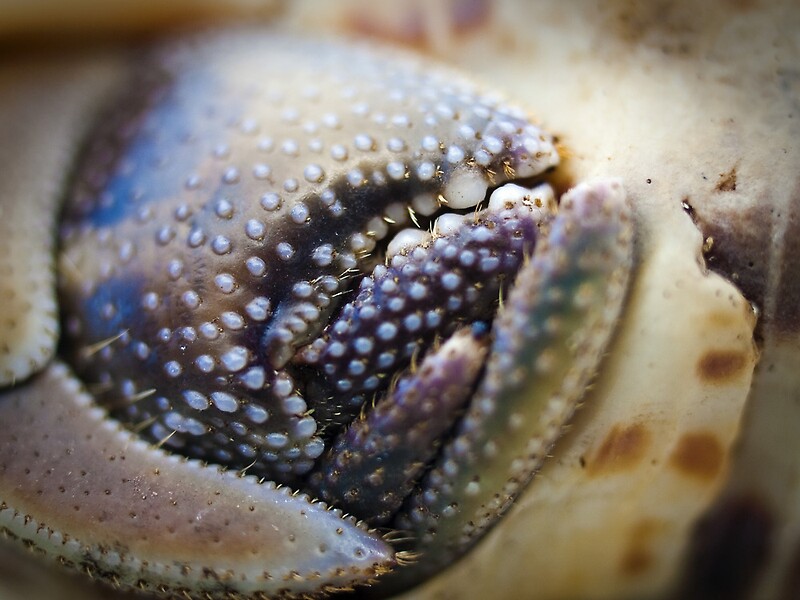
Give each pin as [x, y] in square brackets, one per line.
[727, 181]
[698, 454]
[738, 252]
[636, 560]
[623, 447]
[744, 5]
[720, 366]
[408, 23]
[787, 315]
[668, 27]
[791, 583]
[723, 320]
[638, 556]
[729, 549]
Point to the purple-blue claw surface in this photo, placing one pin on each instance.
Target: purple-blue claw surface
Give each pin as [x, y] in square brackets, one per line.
[240, 273]
[223, 211]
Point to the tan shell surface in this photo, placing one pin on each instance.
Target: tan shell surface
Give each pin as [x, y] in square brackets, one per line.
[684, 442]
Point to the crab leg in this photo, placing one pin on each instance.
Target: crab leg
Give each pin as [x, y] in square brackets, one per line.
[549, 338]
[78, 488]
[374, 464]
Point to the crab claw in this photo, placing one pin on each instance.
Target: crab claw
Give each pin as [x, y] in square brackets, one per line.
[247, 537]
[549, 338]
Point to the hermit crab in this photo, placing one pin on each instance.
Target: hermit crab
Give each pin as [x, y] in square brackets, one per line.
[238, 282]
[320, 320]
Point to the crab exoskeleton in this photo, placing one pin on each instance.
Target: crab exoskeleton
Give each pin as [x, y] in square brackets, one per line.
[291, 270]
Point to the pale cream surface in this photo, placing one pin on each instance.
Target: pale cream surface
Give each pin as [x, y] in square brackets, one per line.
[673, 98]
[41, 131]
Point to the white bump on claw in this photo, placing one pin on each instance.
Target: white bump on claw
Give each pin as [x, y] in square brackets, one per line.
[465, 188]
